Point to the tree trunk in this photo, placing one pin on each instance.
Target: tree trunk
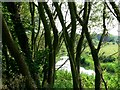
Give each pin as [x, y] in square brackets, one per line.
[22, 38]
[97, 70]
[96, 61]
[69, 41]
[19, 29]
[50, 68]
[75, 76]
[19, 58]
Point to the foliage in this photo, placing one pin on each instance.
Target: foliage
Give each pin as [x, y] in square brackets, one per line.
[7, 14]
[41, 59]
[109, 67]
[105, 59]
[86, 60]
[63, 79]
[16, 82]
[88, 81]
[112, 80]
[11, 68]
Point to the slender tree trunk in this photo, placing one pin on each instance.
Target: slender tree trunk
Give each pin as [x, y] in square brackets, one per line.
[75, 76]
[32, 11]
[78, 56]
[50, 68]
[69, 42]
[96, 61]
[55, 44]
[97, 70]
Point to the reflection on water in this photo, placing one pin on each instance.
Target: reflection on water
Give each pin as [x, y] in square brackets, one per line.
[64, 61]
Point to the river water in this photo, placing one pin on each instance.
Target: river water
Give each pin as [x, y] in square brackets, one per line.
[64, 61]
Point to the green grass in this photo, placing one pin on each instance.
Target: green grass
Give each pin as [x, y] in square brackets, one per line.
[110, 49]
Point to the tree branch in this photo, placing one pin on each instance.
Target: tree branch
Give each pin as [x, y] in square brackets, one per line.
[110, 10]
[104, 29]
[116, 10]
[62, 64]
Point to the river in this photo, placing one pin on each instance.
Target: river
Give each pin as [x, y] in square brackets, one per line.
[64, 64]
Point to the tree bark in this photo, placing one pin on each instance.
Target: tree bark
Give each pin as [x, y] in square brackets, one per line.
[50, 71]
[69, 41]
[19, 28]
[19, 58]
[94, 51]
[14, 9]
[32, 11]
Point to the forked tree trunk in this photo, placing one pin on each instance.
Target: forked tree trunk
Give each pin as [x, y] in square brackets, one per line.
[48, 80]
[69, 42]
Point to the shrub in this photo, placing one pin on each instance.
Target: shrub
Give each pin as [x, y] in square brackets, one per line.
[88, 81]
[84, 62]
[109, 67]
[106, 59]
[63, 79]
[112, 80]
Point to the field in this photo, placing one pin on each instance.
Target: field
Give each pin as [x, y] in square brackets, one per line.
[107, 49]
[110, 49]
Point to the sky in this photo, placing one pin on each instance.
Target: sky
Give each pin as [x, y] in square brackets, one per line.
[112, 30]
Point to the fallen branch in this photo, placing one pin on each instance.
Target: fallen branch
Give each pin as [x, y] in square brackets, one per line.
[62, 65]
